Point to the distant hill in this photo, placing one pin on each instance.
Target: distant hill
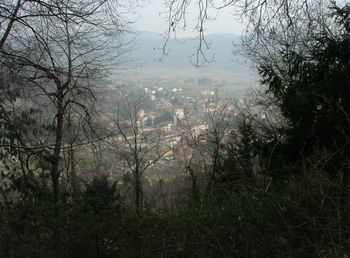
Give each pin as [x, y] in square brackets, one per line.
[149, 52]
[151, 67]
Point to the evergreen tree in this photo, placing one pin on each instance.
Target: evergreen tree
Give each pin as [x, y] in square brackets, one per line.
[312, 88]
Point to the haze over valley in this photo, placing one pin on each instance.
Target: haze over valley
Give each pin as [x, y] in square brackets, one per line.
[225, 67]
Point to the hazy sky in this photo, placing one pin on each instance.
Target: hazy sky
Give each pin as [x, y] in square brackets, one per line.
[152, 17]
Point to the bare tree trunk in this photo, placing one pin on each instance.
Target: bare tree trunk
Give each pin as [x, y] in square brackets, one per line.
[214, 170]
[193, 176]
[73, 172]
[55, 173]
[138, 192]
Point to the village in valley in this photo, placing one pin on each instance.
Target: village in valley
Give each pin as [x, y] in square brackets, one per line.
[169, 124]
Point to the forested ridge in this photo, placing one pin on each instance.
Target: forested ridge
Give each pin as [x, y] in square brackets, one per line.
[85, 171]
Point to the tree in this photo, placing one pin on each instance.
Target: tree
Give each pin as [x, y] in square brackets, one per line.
[219, 121]
[136, 146]
[311, 87]
[301, 51]
[58, 50]
[207, 143]
[240, 153]
[100, 196]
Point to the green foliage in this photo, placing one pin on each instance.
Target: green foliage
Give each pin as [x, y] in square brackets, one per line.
[166, 116]
[312, 89]
[296, 221]
[100, 196]
[238, 166]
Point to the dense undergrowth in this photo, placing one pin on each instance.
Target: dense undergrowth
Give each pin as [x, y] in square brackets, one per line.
[300, 219]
